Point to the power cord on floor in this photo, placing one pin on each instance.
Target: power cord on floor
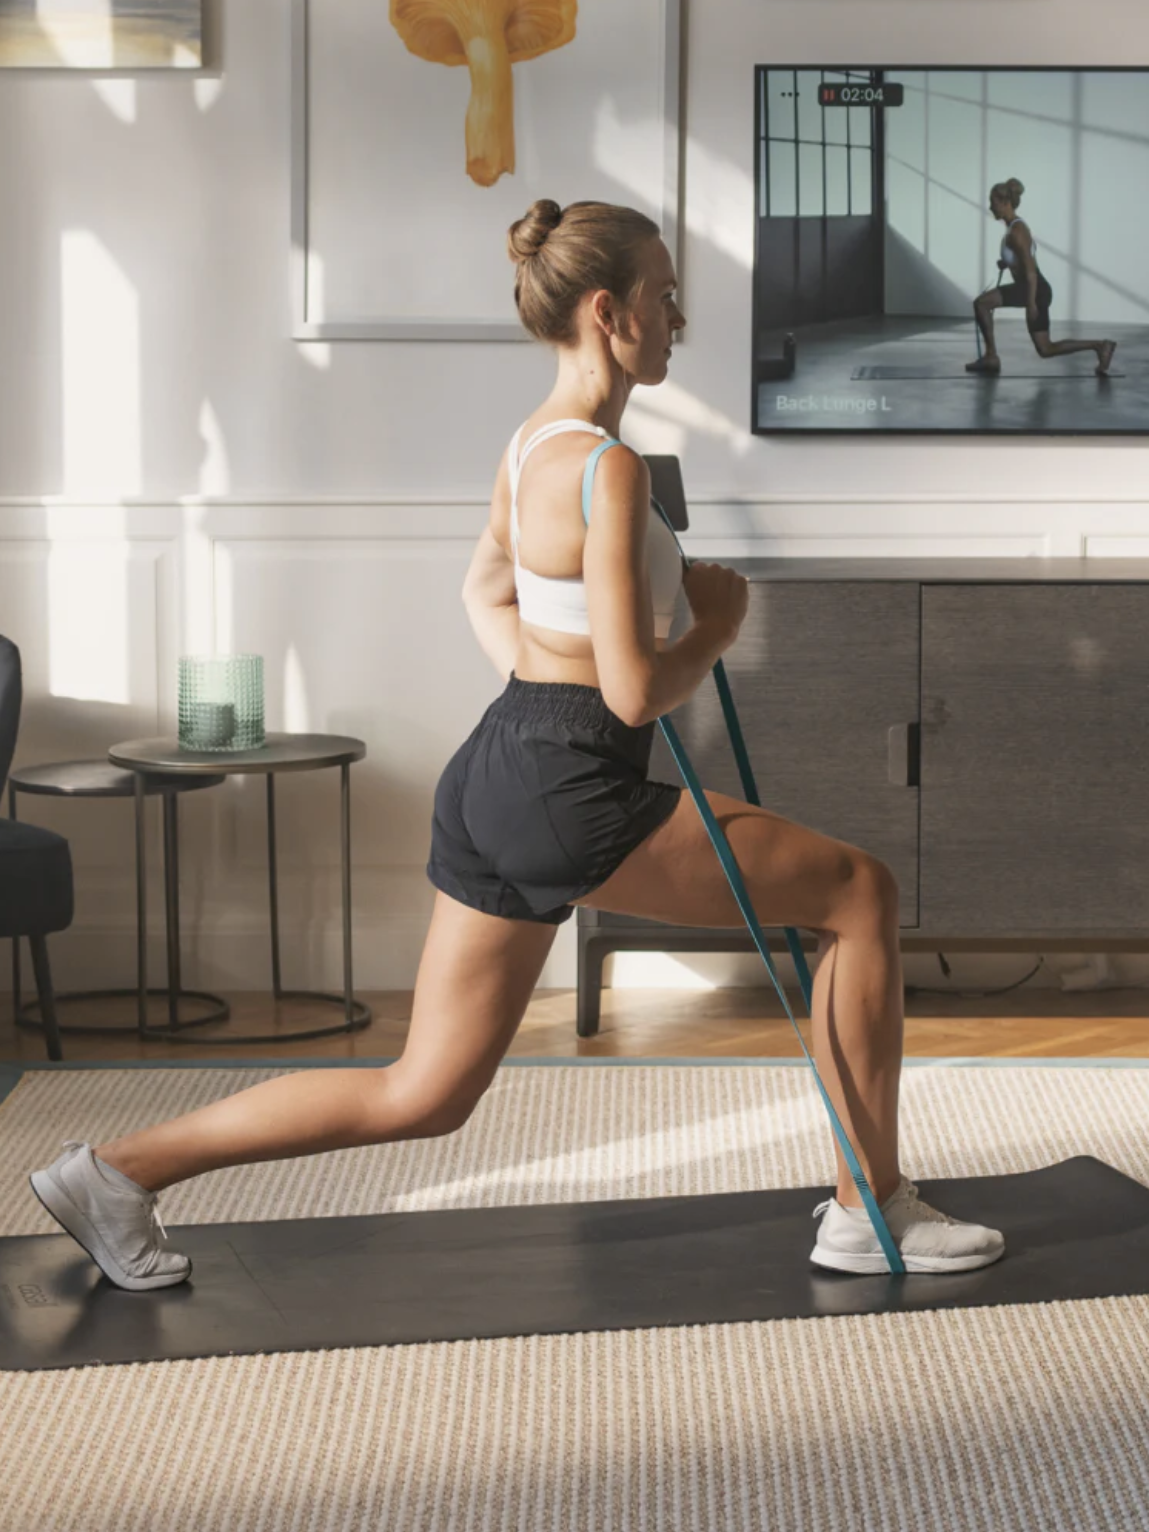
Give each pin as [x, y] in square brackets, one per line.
[972, 994]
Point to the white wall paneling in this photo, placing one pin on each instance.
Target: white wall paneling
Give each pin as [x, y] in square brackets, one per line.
[356, 609]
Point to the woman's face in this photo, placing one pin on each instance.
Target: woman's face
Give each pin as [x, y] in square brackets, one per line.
[645, 332]
[996, 204]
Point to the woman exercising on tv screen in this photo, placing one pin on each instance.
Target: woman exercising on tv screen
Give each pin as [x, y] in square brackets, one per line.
[1027, 289]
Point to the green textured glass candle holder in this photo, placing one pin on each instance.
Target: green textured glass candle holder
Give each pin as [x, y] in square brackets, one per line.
[221, 702]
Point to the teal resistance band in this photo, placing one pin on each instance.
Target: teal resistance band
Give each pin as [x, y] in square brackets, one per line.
[734, 877]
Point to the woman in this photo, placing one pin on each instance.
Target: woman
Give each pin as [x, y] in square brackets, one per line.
[1027, 289]
[547, 805]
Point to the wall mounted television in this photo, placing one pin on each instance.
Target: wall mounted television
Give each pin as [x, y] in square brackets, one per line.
[896, 291]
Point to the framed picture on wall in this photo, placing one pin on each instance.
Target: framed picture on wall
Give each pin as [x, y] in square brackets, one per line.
[100, 34]
[415, 148]
[951, 250]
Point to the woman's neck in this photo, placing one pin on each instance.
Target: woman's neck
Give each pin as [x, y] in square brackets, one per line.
[590, 388]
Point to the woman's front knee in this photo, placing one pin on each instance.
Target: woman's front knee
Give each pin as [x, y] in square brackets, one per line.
[869, 893]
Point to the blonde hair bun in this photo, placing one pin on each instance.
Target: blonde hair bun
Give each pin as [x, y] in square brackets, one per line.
[528, 235]
[581, 248]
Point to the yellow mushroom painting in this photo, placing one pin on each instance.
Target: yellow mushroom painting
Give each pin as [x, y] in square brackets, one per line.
[489, 36]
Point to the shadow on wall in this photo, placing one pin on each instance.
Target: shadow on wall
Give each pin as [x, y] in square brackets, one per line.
[920, 286]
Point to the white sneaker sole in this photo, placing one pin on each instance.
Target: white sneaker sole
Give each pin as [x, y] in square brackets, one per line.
[877, 1265]
[74, 1222]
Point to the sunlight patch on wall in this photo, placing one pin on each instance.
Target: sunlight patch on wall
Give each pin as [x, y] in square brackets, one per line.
[720, 194]
[197, 571]
[317, 353]
[662, 421]
[215, 471]
[88, 604]
[207, 91]
[720, 191]
[627, 150]
[119, 96]
[100, 313]
[296, 708]
[224, 599]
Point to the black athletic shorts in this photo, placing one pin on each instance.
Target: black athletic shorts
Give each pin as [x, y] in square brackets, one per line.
[544, 800]
[1015, 295]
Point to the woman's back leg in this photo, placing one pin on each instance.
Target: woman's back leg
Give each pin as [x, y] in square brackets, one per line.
[475, 980]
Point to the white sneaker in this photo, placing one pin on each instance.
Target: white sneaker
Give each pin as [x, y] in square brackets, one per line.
[114, 1220]
[928, 1240]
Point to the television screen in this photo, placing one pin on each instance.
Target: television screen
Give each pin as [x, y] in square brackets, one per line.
[951, 250]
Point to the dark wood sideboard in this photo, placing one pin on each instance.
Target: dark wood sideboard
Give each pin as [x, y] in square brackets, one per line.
[982, 725]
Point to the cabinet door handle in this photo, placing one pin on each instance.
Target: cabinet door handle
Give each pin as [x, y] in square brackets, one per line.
[904, 754]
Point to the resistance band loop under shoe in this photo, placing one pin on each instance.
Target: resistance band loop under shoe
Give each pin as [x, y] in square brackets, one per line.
[734, 877]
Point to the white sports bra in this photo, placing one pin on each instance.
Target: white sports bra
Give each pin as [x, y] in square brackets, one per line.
[1008, 253]
[560, 604]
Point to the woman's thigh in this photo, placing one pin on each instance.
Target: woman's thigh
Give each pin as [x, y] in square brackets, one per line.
[793, 875]
[475, 980]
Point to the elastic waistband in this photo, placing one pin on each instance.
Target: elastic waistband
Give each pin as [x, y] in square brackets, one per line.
[559, 702]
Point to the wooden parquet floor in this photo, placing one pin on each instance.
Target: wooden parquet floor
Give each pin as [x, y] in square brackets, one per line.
[636, 1023]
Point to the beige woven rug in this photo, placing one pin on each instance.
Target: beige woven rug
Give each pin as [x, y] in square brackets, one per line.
[1032, 1418]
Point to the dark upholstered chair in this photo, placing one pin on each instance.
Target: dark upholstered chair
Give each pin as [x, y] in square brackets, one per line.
[35, 864]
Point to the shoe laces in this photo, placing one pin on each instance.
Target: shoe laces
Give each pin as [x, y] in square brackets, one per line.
[149, 1197]
[919, 1211]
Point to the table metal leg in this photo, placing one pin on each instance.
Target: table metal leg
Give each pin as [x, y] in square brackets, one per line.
[345, 852]
[273, 888]
[172, 903]
[356, 1013]
[141, 907]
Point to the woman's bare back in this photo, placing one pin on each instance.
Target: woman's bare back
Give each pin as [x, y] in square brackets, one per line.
[552, 534]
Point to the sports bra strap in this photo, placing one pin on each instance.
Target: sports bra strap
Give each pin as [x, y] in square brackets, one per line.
[544, 433]
[588, 485]
[516, 460]
[588, 474]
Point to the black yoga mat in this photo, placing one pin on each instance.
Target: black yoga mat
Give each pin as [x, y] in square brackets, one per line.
[1075, 1230]
[926, 374]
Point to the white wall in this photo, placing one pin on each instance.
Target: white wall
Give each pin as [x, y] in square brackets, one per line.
[1079, 144]
[173, 468]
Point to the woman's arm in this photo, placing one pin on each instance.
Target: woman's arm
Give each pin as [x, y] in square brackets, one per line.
[638, 681]
[489, 588]
[1024, 248]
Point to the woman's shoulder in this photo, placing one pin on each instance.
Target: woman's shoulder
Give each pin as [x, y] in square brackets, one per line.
[623, 469]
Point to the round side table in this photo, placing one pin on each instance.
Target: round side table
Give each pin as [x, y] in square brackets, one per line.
[280, 752]
[98, 779]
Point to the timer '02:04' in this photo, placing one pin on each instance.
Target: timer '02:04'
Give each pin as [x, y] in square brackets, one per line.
[845, 94]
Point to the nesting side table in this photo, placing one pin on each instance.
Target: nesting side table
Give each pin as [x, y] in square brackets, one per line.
[98, 779]
[280, 752]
